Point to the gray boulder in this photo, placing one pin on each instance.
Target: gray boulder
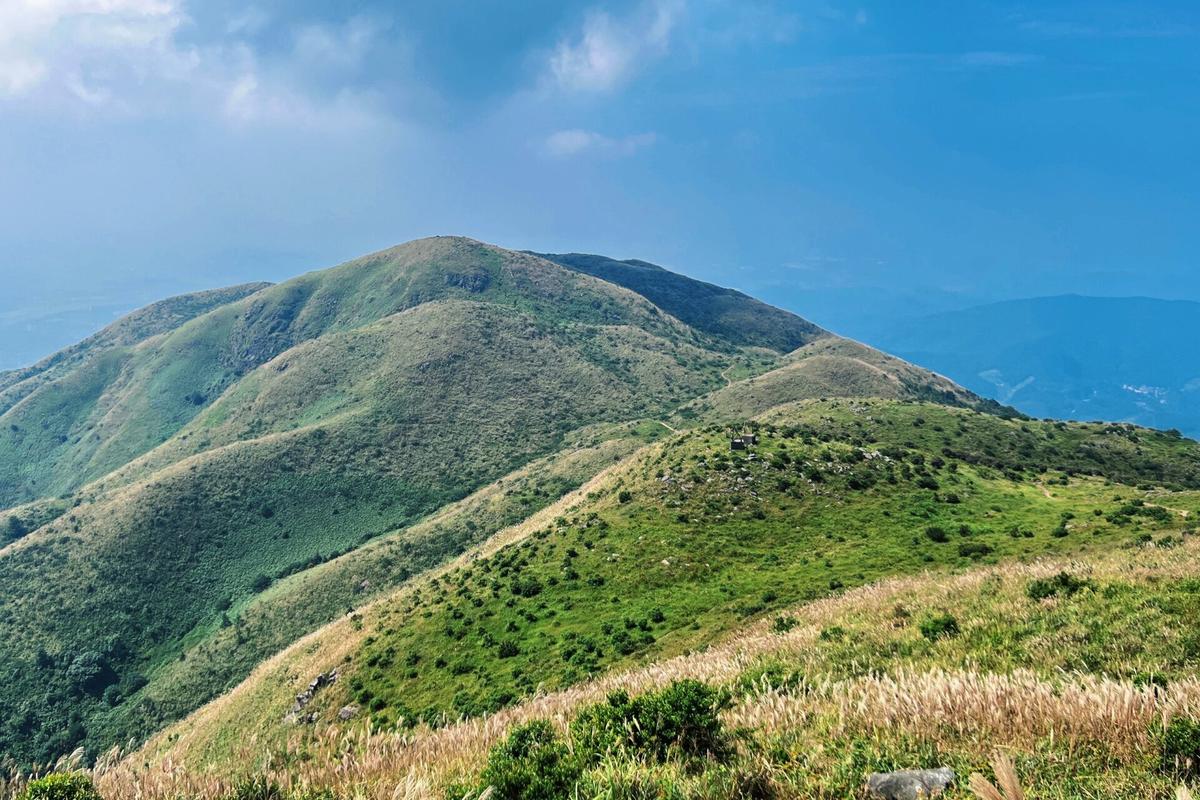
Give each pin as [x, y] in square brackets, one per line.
[909, 784]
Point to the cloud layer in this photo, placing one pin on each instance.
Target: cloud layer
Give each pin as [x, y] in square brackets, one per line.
[608, 51]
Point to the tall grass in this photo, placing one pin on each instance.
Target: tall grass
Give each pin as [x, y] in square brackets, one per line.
[951, 708]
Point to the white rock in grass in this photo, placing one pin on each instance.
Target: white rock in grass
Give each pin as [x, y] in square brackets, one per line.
[909, 784]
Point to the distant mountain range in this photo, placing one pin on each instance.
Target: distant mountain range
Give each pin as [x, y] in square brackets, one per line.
[1130, 359]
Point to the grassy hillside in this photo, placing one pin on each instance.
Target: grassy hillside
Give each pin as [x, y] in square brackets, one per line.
[830, 367]
[53, 415]
[726, 313]
[138, 326]
[335, 442]
[215, 659]
[1049, 661]
[688, 541]
[182, 502]
[121, 403]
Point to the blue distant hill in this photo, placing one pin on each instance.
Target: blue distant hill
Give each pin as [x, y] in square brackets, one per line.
[1114, 358]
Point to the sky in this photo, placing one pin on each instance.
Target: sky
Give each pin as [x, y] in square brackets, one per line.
[840, 159]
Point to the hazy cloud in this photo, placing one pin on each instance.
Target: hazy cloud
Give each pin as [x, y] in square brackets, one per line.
[575, 141]
[69, 48]
[607, 51]
[128, 57]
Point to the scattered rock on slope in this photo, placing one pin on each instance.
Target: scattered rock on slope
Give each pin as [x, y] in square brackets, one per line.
[909, 784]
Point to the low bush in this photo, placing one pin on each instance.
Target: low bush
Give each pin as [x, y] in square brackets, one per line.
[1064, 584]
[936, 534]
[939, 626]
[61, 786]
[682, 719]
[974, 549]
[533, 763]
[1181, 747]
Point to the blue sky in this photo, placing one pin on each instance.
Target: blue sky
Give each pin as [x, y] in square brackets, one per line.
[824, 155]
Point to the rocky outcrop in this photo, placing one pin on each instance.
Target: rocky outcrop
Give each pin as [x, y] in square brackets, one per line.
[297, 715]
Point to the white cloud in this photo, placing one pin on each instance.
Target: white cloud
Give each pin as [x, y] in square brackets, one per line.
[607, 51]
[53, 45]
[128, 57]
[575, 141]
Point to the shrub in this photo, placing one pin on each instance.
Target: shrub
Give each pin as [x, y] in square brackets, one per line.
[1181, 746]
[1062, 584]
[936, 534]
[973, 549]
[681, 719]
[533, 763]
[90, 672]
[939, 626]
[61, 786]
[526, 586]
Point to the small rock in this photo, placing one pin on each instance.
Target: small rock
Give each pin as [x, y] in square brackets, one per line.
[348, 712]
[909, 784]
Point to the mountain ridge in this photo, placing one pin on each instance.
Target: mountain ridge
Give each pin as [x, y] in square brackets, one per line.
[158, 492]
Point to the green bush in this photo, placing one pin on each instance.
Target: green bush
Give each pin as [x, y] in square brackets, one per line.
[533, 763]
[682, 719]
[974, 549]
[61, 786]
[1181, 747]
[1063, 584]
[937, 534]
[939, 626]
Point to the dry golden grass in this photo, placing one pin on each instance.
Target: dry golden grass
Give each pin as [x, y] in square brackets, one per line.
[1006, 776]
[964, 707]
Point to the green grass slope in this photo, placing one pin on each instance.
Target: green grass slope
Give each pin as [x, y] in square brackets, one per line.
[184, 501]
[723, 312]
[118, 406]
[215, 658]
[51, 410]
[1081, 670]
[693, 540]
[334, 442]
[689, 541]
[138, 326]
